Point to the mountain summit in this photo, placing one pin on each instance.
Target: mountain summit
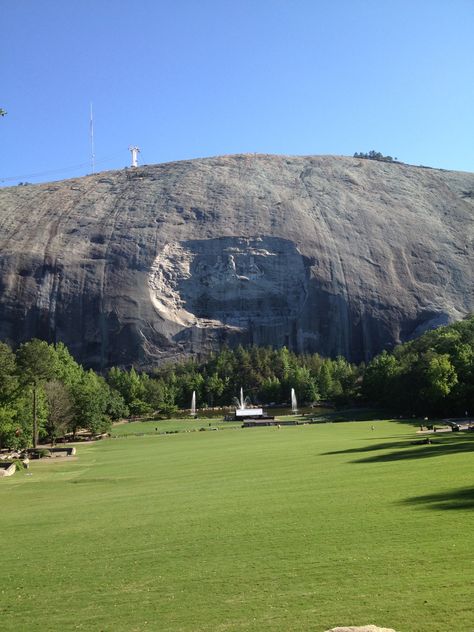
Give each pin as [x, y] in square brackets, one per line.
[322, 254]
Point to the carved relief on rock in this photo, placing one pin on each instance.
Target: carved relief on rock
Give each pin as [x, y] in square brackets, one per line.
[229, 281]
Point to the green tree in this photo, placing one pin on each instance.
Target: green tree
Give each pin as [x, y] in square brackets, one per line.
[67, 370]
[116, 406]
[36, 364]
[130, 384]
[60, 409]
[10, 432]
[304, 385]
[155, 393]
[270, 390]
[8, 374]
[285, 364]
[433, 374]
[378, 384]
[190, 381]
[138, 407]
[225, 364]
[214, 388]
[325, 380]
[168, 404]
[440, 378]
[24, 414]
[91, 398]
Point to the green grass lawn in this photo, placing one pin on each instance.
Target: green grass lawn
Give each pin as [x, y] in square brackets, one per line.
[263, 529]
[171, 425]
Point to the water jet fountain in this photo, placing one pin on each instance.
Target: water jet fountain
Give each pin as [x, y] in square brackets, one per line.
[294, 403]
[243, 408]
[193, 405]
[250, 416]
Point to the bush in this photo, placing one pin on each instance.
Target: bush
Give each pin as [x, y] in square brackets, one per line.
[41, 453]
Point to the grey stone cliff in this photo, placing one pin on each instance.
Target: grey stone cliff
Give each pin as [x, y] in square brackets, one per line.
[322, 254]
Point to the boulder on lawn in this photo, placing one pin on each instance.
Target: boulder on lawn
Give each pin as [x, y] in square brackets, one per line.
[363, 628]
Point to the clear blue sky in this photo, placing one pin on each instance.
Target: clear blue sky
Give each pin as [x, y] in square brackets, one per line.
[191, 78]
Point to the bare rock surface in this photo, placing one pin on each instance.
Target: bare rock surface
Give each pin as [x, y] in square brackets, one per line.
[321, 253]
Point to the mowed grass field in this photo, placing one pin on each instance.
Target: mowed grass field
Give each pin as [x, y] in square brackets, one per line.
[151, 427]
[298, 529]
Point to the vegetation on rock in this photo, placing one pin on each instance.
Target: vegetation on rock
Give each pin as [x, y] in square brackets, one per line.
[374, 155]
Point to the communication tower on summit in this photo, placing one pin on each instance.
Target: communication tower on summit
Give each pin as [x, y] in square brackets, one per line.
[91, 132]
[135, 151]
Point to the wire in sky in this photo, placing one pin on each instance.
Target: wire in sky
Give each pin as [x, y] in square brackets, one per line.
[41, 174]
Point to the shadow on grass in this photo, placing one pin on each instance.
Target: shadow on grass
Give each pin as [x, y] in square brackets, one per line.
[353, 414]
[370, 448]
[414, 449]
[370, 414]
[456, 499]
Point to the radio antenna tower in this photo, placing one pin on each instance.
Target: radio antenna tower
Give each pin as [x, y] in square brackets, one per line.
[91, 129]
[135, 151]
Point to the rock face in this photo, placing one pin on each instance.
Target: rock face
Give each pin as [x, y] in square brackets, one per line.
[322, 254]
[257, 285]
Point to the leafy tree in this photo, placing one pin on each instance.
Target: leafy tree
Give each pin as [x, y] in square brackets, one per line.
[285, 363]
[325, 380]
[188, 382]
[168, 405]
[60, 409]
[271, 390]
[433, 374]
[214, 388]
[155, 393]
[304, 385]
[225, 363]
[440, 378]
[24, 414]
[117, 379]
[379, 378]
[8, 374]
[116, 406]
[138, 407]
[36, 364]
[67, 370]
[129, 384]
[91, 398]
[10, 432]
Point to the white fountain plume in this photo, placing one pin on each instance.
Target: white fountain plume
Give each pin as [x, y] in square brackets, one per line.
[294, 403]
[243, 403]
[193, 404]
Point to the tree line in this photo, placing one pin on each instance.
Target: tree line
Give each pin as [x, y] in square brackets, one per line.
[45, 393]
[431, 375]
[374, 155]
[266, 374]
